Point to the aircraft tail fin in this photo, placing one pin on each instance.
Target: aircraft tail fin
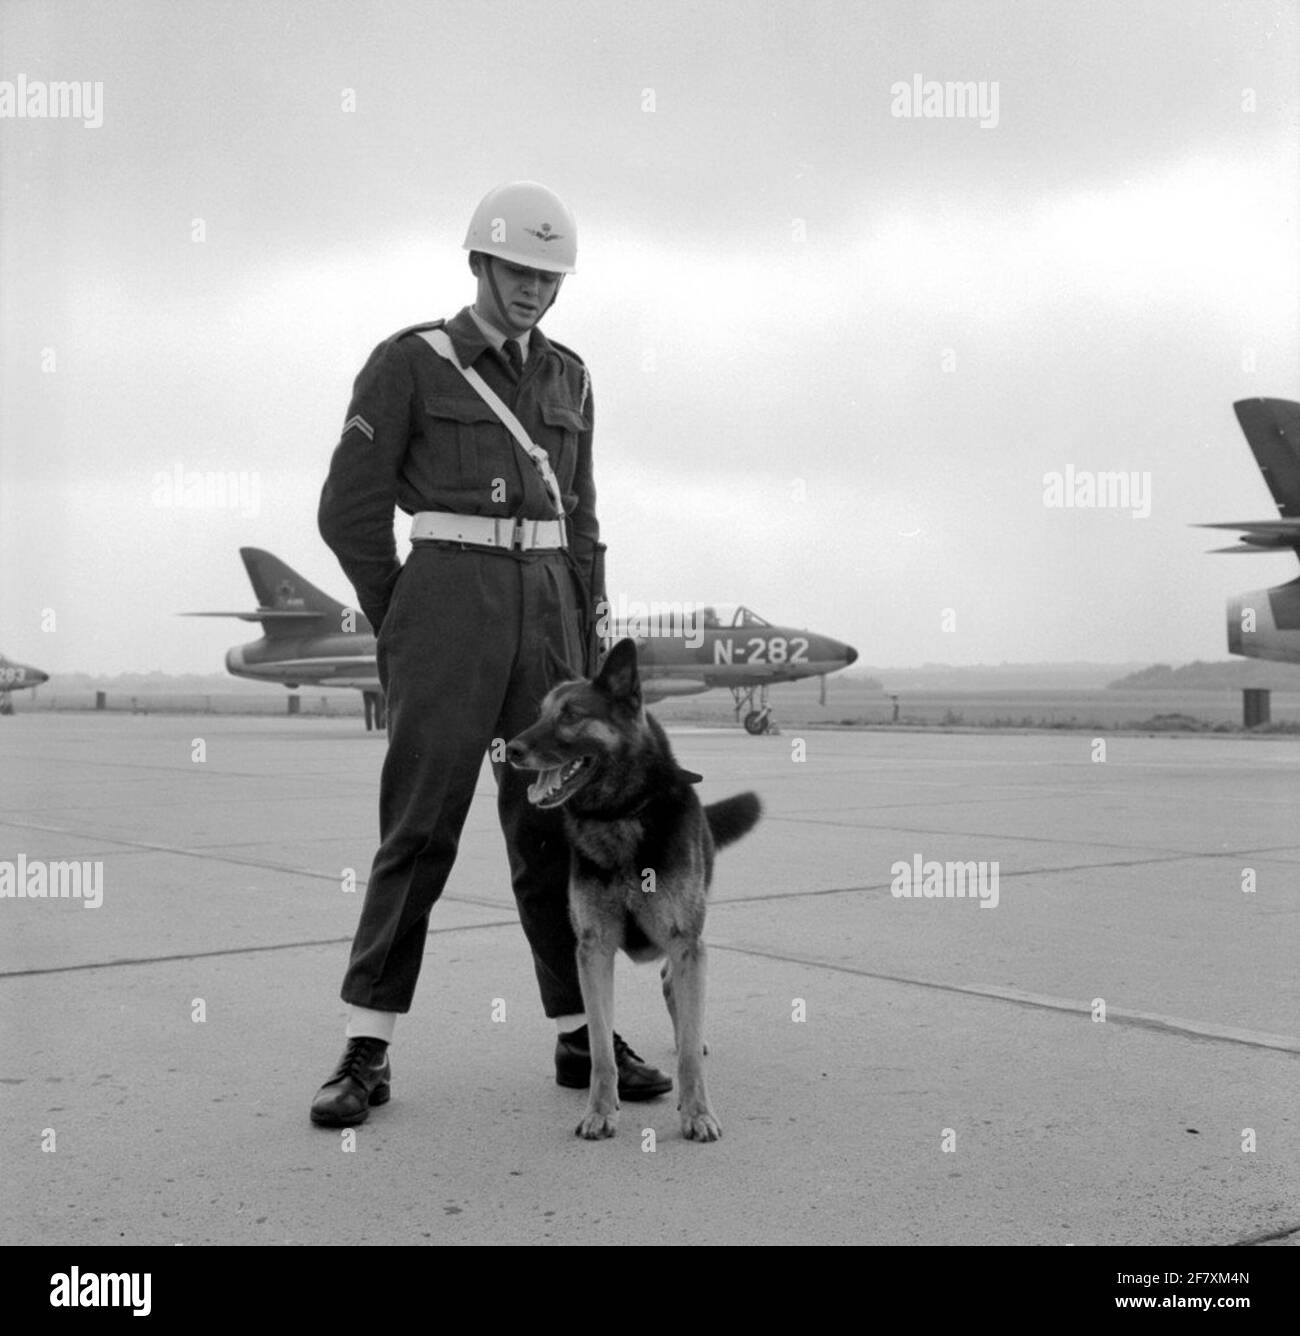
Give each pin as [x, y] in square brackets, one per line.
[1272, 430]
[288, 605]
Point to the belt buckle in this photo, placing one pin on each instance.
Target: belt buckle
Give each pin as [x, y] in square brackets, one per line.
[522, 536]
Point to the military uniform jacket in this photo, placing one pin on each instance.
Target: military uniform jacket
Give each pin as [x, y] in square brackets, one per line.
[418, 437]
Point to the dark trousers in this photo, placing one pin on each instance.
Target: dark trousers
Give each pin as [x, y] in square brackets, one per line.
[466, 652]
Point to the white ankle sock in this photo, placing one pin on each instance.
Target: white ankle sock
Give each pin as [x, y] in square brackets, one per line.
[364, 1023]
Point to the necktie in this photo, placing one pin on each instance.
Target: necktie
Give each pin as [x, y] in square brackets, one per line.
[515, 357]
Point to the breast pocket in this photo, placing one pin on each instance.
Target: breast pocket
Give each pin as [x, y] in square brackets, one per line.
[563, 425]
[467, 443]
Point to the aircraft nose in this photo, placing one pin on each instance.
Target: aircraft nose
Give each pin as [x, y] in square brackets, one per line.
[850, 654]
[40, 676]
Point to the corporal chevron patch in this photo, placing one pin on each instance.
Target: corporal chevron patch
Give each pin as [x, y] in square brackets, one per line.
[361, 425]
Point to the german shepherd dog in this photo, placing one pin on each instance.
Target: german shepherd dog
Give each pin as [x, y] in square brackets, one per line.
[640, 866]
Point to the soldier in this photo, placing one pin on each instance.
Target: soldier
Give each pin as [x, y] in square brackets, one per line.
[499, 591]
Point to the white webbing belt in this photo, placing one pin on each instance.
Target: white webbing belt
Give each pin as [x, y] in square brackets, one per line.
[440, 342]
[487, 531]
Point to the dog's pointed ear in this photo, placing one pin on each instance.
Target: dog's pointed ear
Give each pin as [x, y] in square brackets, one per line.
[618, 675]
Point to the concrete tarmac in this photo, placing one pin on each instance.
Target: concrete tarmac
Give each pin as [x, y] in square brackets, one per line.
[887, 1069]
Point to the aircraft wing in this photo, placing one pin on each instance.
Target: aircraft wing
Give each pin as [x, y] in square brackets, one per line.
[261, 615]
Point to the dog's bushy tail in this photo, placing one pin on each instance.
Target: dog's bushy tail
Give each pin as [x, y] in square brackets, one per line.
[733, 817]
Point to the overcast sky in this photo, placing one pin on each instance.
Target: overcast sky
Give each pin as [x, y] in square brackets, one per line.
[835, 348]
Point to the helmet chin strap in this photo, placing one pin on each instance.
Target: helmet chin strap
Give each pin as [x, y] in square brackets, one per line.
[505, 310]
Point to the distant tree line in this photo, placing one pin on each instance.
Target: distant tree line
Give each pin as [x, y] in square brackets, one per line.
[1201, 676]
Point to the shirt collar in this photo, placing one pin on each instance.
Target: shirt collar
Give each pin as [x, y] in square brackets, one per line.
[470, 341]
[495, 337]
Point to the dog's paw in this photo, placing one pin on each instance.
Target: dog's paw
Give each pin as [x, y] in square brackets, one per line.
[595, 1125]
[701, 1125]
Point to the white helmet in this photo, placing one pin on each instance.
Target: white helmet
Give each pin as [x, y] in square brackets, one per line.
[527, 224]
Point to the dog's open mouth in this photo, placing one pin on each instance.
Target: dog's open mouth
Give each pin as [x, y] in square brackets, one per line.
[552, 787]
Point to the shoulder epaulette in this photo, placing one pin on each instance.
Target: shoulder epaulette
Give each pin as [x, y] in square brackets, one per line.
[564, 348]
[415, 329]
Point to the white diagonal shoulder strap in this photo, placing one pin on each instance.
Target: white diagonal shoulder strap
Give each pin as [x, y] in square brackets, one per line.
[440, 342]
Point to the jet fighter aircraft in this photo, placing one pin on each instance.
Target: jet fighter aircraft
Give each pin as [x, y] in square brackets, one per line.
[17, 677]
[1265, 624]
[310, 638]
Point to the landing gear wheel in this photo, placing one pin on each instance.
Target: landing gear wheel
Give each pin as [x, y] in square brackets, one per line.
[756, 722]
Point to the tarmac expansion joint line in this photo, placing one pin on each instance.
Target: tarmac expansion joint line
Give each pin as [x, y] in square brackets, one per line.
[1160, 854]
[1044, 871]
[1149, 1020]
[233, 951]
[1273, 1236]
[1174, 1025]
[208, 853]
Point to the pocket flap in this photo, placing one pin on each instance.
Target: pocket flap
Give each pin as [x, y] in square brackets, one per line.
[561, 415]
[459, 408]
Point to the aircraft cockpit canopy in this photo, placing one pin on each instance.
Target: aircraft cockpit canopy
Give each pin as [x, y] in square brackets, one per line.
[715, 617]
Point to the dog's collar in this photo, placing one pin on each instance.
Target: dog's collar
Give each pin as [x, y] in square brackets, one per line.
[631, 813]
[627, 814]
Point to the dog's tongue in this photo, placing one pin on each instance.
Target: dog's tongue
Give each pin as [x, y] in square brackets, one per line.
[544, 785]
